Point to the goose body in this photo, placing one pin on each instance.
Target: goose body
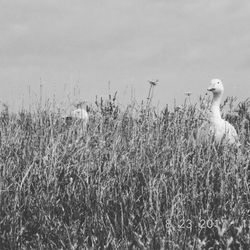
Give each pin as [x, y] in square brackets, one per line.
[79, 115]
[216, 127]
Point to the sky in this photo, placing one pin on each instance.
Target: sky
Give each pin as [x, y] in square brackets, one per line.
[81, 49]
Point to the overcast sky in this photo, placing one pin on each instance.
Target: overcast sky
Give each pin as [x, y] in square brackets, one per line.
[84, 44]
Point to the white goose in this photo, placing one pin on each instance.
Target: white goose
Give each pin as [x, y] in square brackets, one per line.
[80, 114]
[220, 129]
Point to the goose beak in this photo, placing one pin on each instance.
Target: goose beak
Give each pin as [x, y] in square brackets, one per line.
[211, 88]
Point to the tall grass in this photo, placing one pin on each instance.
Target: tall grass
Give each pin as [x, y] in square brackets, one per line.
[136, 179]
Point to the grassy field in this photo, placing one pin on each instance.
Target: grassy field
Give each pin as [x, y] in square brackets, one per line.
[136, 179]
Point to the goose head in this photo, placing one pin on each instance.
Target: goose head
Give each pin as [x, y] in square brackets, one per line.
[216, 87]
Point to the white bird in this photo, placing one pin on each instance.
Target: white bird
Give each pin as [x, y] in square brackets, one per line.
[79, 115]
[216, 127]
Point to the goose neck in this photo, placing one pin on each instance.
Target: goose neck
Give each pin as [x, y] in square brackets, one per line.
[215, 107]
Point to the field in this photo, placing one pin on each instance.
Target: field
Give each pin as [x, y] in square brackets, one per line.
[135, 179]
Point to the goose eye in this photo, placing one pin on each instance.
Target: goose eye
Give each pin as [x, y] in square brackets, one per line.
[218, 82]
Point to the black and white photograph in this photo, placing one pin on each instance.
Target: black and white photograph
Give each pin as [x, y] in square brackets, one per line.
[124, 124]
